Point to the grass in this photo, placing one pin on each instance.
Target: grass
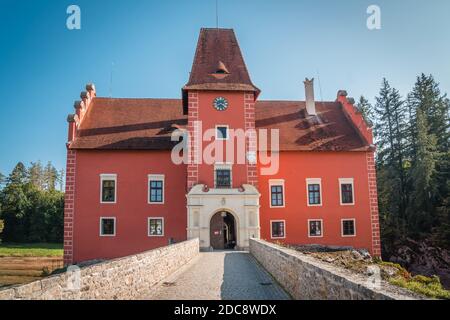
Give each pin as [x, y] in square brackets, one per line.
[31, 250]
[393, 273]
[428, 286]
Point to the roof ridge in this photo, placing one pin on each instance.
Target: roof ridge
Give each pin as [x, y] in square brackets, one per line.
[281, 100]
[120, 98]
[212, 28]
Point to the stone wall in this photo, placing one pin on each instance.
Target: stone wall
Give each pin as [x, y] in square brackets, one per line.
[306, 278]
[131, 277]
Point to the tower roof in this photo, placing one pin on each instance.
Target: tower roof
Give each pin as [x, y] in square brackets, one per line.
[218, 63]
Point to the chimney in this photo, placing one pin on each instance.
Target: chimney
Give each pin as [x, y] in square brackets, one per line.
[309, 97]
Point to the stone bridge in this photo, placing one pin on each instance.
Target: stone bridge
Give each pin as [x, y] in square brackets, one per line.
[182, 272]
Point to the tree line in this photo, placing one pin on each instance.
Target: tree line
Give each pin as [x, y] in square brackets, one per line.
[413, 162]
[31, 206]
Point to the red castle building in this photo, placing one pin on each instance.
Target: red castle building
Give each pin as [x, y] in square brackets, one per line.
[313, 182]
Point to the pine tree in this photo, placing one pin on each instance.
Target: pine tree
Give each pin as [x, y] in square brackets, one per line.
[422, 175]
[2, 180]
[36, 174]
[366, 110]
[429, 152]
[18, 175]
[14, 205]
[50, 177]
[390, 130]
[426, 96]
[61, 179]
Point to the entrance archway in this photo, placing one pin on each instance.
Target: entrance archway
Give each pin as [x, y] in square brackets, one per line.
[223, 231]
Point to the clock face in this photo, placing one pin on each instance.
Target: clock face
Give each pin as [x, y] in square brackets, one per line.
[220, 104]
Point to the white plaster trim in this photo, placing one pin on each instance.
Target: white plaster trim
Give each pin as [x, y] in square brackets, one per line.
[115, 226]
[314, 181]
[217, 131]
[321, 228]
[148, 226]
[223, 166]
[156, 177]
[108, 177]
[346, 181]
[276, 182]
[271, 234]
[342, 228]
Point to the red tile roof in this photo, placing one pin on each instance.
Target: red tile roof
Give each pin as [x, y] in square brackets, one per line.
[329, 130]
[129, 124]
[146, 124]
[218, 49]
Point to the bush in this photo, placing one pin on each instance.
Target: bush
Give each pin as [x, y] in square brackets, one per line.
[430, 287]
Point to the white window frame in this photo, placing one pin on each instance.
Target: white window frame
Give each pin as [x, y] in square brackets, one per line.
[347, 181]
[148, 226]
[271, 233]
[115, 227]
[217, 131]
[342, 228]
[314, 181]
[108, 177]
[274, 183]
[223, 166]
[309, 228]
[156, 177]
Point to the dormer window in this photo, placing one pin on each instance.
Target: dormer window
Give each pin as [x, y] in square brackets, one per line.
[221, 69]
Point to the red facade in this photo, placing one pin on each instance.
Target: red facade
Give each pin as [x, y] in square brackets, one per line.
[125, 194]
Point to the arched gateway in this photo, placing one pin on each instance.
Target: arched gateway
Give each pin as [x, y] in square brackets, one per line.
[223, 218]
[222, 231]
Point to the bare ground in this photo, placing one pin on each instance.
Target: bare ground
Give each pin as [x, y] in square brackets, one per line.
[18, 270]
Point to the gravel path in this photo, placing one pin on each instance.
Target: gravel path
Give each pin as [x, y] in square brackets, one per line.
[220, 275]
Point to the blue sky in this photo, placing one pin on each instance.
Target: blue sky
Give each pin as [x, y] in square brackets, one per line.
[44, 66]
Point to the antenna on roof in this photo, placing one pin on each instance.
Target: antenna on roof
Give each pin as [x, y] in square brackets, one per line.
[217, 14]
[320, 86]
[111, 79]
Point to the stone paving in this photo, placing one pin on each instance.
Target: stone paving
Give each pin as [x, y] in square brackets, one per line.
[220, 275]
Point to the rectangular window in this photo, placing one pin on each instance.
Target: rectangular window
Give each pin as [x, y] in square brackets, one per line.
[223, 178]
[348, 228]
[155, 227]
[108, 188]
[314, 194]
[278, 229]
[222, 133]
[347, 191]
[107, 227]
[277, 196]
[156, 189]
[315, 228]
